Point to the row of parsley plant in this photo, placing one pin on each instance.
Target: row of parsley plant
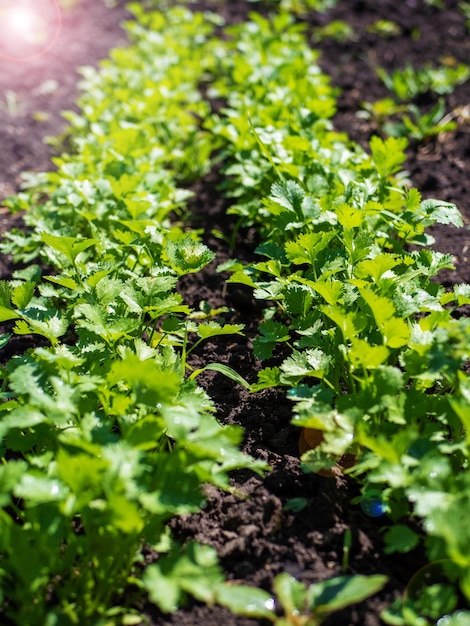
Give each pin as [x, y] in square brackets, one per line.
[376, 349]
[104, 434]
[105, 437]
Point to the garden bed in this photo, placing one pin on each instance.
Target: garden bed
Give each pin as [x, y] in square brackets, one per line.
[257, 536]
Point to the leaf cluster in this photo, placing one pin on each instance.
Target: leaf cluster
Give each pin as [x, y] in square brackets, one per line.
[377, 354]
[405, 118]
[104, 435]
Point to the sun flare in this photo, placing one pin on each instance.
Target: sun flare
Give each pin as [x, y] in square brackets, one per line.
[26, 24]
[28, 29]
[20, 20]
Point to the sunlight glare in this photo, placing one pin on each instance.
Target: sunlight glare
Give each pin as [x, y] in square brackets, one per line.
[21, 21]
[28, 28]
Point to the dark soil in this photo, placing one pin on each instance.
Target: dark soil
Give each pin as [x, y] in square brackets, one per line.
[255, 536]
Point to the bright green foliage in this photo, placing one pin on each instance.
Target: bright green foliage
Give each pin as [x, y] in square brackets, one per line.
[171, 578]
[136, 133]
[271, 333]
[188, 255]
[375, 355]
[388, 155]
[384, 28]
[104, 437]
[116, 443]
[310, 606]
[464, 8]
[404, 118]
[301, 6]
[381, 111]
[105, 434]
[275, 94]
[409, 82]
[196, 571]
[382, 381]
[338, 30]
[422, 125]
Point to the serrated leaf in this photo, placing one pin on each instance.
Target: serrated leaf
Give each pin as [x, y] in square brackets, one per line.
[441, 212]
[98, 323]
[108, 289]
[150, 383]
[272, 267]
[364, 355]
[242, 278]
[144, 433]
[61, 355]
[267, 377]
[213, 329]
[289, 194]
[136, 207]
[22, 294]
[388, 155]
[413, 199]
[131, 302]
[375, 268]
[70, 247]
[63, 281]
[192, 570]
[94, 279]
[25, 380]
[463, 294]
[7, 314]
[307, 247]
[173, 324]
[311, 362]
[171, 304]
[270, 250]
[271, 333]
[395, 332]
[330, 290]
[319, 397]
[348, 216]
[349, 323]
[187, 255]
[268, 291]
[51, 328]
[298, 300]
[382, 308]
[432, 261]
[92, 313]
